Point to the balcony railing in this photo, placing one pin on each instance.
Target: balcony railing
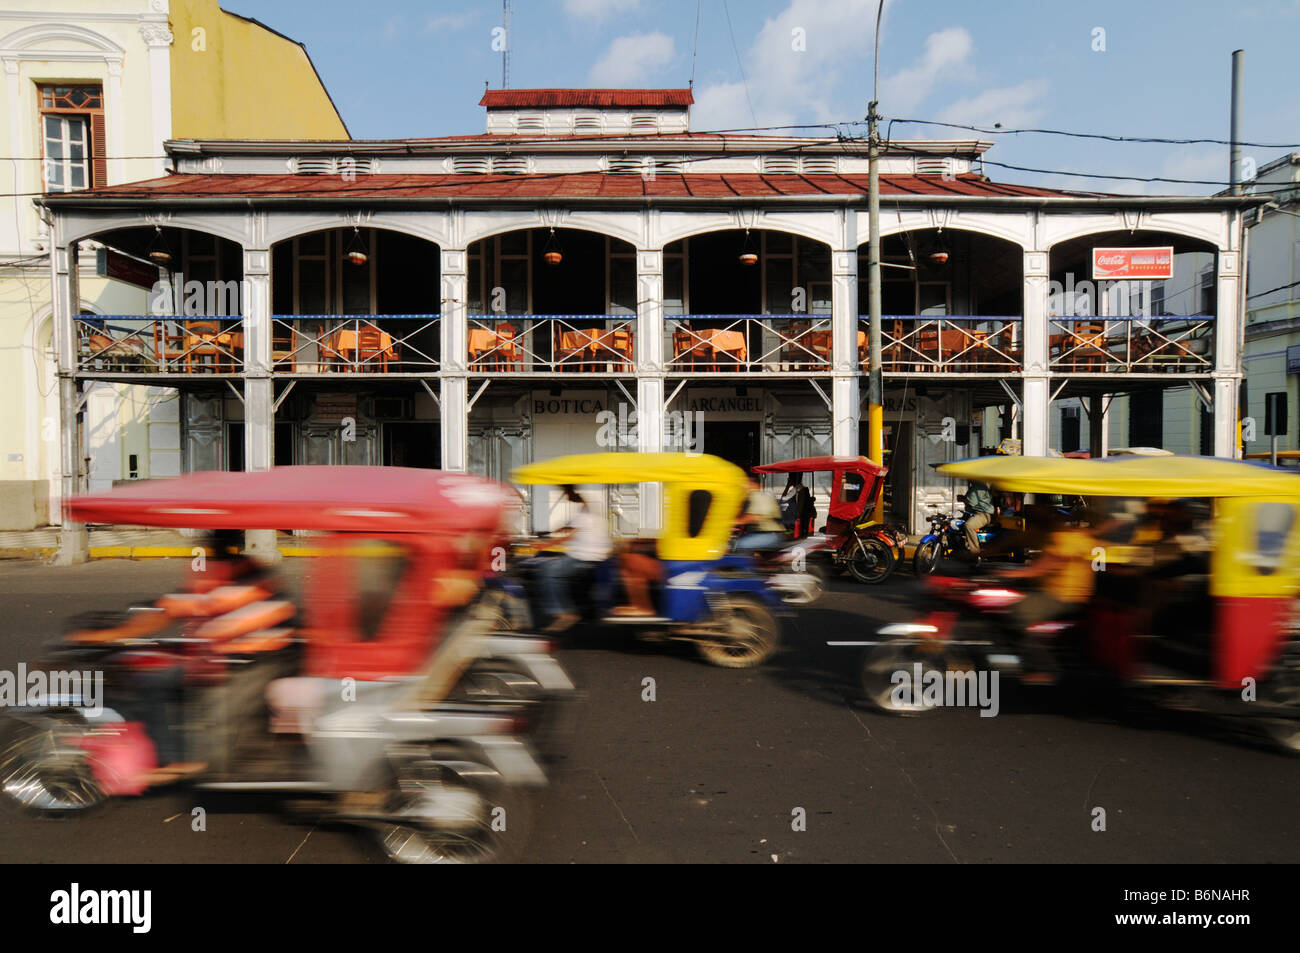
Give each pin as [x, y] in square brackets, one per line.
[561, 343]
[1179, 343]
[128, 343]
[726, 343]
[360, 343]
[951, 343]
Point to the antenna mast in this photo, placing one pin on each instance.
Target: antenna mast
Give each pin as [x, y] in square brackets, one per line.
[505, 53]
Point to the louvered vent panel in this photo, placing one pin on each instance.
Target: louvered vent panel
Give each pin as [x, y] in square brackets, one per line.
[780, 164]
[936, 165]
[587, 124]
[355, 166]
[625, 164]
[529, 123]
[472, 165]
[645, 123]
[314, 165]
[510, 165]
[826, 165]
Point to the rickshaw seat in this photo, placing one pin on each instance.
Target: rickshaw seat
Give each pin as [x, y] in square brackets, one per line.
[246, 620]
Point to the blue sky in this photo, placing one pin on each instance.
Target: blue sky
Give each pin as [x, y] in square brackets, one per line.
[407, 68]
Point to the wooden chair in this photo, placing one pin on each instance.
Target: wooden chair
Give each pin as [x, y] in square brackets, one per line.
[690, 349]
[620, 341]
[282, 347]
[375, 347]
[507, 355]
[203, 341]
[794, 341]
[1088, 345]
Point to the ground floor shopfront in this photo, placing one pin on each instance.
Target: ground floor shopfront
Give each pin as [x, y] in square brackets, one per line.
[512, 423]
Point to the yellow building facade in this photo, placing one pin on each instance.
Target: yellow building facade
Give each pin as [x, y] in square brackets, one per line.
[93, 88]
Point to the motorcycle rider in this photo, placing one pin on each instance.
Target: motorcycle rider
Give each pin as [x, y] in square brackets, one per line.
[587, 544]
[980, 511]
[1065, 583]
[759, 523]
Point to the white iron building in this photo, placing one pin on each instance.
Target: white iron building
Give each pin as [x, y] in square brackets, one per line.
[475, 302]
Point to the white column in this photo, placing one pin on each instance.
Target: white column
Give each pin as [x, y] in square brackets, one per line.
[650, 380]
[1035, 428]
[845, 369]
[159, 40]
[73, 543]
[259, 388]
[454, 409]
[1227, 350]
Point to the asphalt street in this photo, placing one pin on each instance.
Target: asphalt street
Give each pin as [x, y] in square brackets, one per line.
[715, 768]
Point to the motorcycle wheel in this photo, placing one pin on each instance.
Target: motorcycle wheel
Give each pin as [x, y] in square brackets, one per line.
[752, 636]
[926, 558]
[41, 770]
[870, 560]
[449, 808]
[877, 676]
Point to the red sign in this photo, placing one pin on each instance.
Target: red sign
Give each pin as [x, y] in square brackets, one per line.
[1110, 264]
[131, 270]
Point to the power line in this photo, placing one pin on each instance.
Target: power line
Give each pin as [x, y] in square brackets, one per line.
[998, 131]
[752, 115]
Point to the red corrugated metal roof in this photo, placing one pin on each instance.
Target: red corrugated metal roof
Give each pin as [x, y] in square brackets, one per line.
[538, 98]
[598, 184]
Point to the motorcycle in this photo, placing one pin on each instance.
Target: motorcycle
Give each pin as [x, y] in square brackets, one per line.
[715, 600]
[868, 550]
[387, 702]
[1215, 629]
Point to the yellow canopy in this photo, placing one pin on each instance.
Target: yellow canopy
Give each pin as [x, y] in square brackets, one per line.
[703, 494]
[611, 468]
[1160, 477]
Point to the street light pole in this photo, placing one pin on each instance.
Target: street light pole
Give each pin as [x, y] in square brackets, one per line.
[875, 381]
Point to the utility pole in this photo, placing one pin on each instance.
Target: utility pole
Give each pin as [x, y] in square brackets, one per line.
[1234, 187]
[1234, 133]
[875, 378]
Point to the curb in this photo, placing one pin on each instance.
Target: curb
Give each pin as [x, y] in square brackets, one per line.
[137, 552]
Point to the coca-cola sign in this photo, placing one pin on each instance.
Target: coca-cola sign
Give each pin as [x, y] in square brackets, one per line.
[1111, 264]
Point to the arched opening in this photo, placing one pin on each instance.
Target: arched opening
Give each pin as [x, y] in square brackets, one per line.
[950, 300]
[352, 307]
[720, 289]
[355, 300]
[1130, 314]
[171, 303]
[552, 300]
[1139, 301]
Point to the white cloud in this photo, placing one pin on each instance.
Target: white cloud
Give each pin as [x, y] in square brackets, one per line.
[632, 60]
[1013, 106]
[794, 68]
[597, 10]
[947, 57]
[448, 22]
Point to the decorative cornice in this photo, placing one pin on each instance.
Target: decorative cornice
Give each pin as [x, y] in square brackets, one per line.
[156, 35]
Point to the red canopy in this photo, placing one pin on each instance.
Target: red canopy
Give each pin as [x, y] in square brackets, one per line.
[375, 499]
[810, 464]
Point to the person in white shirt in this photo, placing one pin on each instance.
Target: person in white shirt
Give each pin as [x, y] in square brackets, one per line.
[587, 546]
